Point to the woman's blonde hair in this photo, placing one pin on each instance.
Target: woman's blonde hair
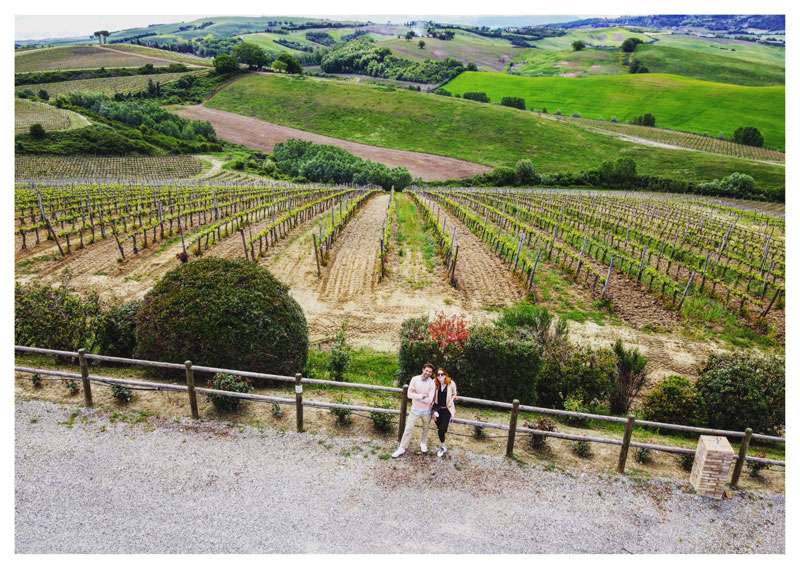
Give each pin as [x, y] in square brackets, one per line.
[447, 378]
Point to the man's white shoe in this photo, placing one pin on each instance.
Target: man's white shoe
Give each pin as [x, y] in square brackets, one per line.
[399, 452]
[442, 451]
[424, 448]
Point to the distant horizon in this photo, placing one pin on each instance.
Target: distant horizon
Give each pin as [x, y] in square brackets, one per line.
[42, 28]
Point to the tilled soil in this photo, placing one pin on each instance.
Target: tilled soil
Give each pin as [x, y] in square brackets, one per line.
[263, 135]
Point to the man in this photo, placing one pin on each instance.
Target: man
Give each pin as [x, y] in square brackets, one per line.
[421, 391]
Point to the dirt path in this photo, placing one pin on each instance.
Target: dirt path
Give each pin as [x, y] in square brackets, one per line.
[262, 135]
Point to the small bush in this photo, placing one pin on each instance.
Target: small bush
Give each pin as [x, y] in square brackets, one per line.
[277, 411]
[575, 404]
[232, 383]
[686, 461]
[116, 332]
[381, 421]
[582, 448]
[342, 414]
[36, 380]
[513, 102]
[643, 455]
[71, 386]
[675, 400]
[744, 390]
[576, 115]
[121, 393]
[630, 377]
[755, 468]
[613, 119]
[479, 431]
[37, 131]
[479, 96]
[558, 112]
[544, 110]
[537, 441]
[339, 360]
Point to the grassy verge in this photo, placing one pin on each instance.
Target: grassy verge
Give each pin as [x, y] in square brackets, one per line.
[413, 236]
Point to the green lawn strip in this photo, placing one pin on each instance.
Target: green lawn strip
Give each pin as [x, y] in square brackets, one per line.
[477, 132]
[677, 102]
[708, 66]
[412, 235]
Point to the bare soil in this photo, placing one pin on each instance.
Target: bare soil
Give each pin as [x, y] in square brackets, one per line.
[263, 135]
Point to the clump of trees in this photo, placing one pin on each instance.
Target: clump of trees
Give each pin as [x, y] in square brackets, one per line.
[638, 67]
[578, 45]
[629, 45]
[513, 102]
[749, 135]
[479, 96]
[251, 55]
[646, 119]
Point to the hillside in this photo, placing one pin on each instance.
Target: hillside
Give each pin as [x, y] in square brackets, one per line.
[466, 130]
[677, 102]
[94, 56]
[568, 63]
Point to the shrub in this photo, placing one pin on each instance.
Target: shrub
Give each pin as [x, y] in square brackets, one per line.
[755, 468]
[743, 390]
[479, 431]
[471, 66]
[121, 393]
[538, 441]
[116, 330]
[53, 318]
[686, 461]
[232, 383]
[629, 45]
[228, 314]
[613, 119]
[638, 67]
[339, 360]
[513, 102]
[72, 386]
[277, 411]
[575, 372]
[450, 332]
[479, 96]
[558, 112]
[381, 421]
[37, 131]
[642, 455]
[574, 403]
[748, 135]
[629, 379]
[578, 45]
[582, 448]
[576, 115]
[36, 380]
[525, 172]
[224, 63]
[675, 400]
[646, 119]
[504, 176]
[342, 414]
[544, 110]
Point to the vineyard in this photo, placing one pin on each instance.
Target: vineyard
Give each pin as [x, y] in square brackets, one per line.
[107, 85]
[43, 167]
[687, 255]
[682, 139]
[30, 112]
[91, 57]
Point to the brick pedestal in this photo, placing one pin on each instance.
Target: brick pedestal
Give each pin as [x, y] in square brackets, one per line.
[712, 466]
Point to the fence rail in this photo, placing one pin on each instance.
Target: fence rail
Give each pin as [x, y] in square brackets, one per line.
[626, 442]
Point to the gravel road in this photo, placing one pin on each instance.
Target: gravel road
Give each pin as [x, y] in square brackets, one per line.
[87, 484]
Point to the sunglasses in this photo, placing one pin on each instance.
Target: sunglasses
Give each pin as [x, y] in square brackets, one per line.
[440, 374]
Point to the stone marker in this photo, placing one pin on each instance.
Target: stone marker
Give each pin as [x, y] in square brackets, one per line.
[712, 465]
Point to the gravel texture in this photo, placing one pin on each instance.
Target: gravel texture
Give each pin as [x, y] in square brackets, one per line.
[90, 482]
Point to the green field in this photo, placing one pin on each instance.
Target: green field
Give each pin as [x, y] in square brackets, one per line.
[610, 37]
[266, 41]
[748, 51]
[569, 63]
[708, 66]
[481, 133]
[677, 102]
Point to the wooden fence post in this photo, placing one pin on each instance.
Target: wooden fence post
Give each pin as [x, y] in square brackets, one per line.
[87, 387]
[298, 397]
[512, 429]
[626, 444]
[737, 470]
[403, 408]
[192, 394]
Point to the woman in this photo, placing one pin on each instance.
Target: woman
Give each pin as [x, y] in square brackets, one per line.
[444, 408]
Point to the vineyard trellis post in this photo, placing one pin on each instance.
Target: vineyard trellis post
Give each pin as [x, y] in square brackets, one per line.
[608, 277]
[686, 290]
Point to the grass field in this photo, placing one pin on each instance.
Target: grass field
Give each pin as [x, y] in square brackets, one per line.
[107, 86]
[91, 57]
[477, 132]
[51, 118]
[708, 66]
[677, 102]
[745, 50]
[568, 63]
[611, 37]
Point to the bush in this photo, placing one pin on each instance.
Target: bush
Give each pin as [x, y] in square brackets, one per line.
[339, 360]
[121, 393]
[675, 400]
[504, 176]
[53, 318]
[37, 131]
[538, 442]
[578, 45]
[582, 448]
[479, 431]
[513, 102]
[471, 66]
[574, 403]
[116, 331]
[748, 135]
[479, 96]
[576, 372]
[629, 379]
[36, 380]
[71, 386]
[686, 461]
[755, 468]
[277, 411]
[646, 119]
[381, 421]
[228, 314]
[224, 63]
[576, 115]
[743, 390]
[342, 414]
[642, 455]
[525, 172]
[629, 45]
[638, 67]
[232, 383]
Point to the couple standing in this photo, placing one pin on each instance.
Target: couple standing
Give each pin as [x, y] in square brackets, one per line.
[431, 396]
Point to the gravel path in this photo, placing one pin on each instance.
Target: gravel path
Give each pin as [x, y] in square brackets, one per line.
[87, 485]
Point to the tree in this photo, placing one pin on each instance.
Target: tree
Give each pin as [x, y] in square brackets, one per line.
[630, 377]
[37, 131]
[105, 35]
[224, 63]
[293, 66]
[629, 45]
[513, 102]
[646, 119]
[421, 44]
[525, 171]
[471, 66]
[98, 34]
[44, 95]
[638, 67]
[250, 54]
[409, 35]
[578, 45]
[748, 135]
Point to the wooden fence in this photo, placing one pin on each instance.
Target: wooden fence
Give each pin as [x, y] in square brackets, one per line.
[515, 407]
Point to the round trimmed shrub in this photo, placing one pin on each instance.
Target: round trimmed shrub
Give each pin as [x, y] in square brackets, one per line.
[223, 313]
[116, 333]
[675, 400]
[743, 390]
